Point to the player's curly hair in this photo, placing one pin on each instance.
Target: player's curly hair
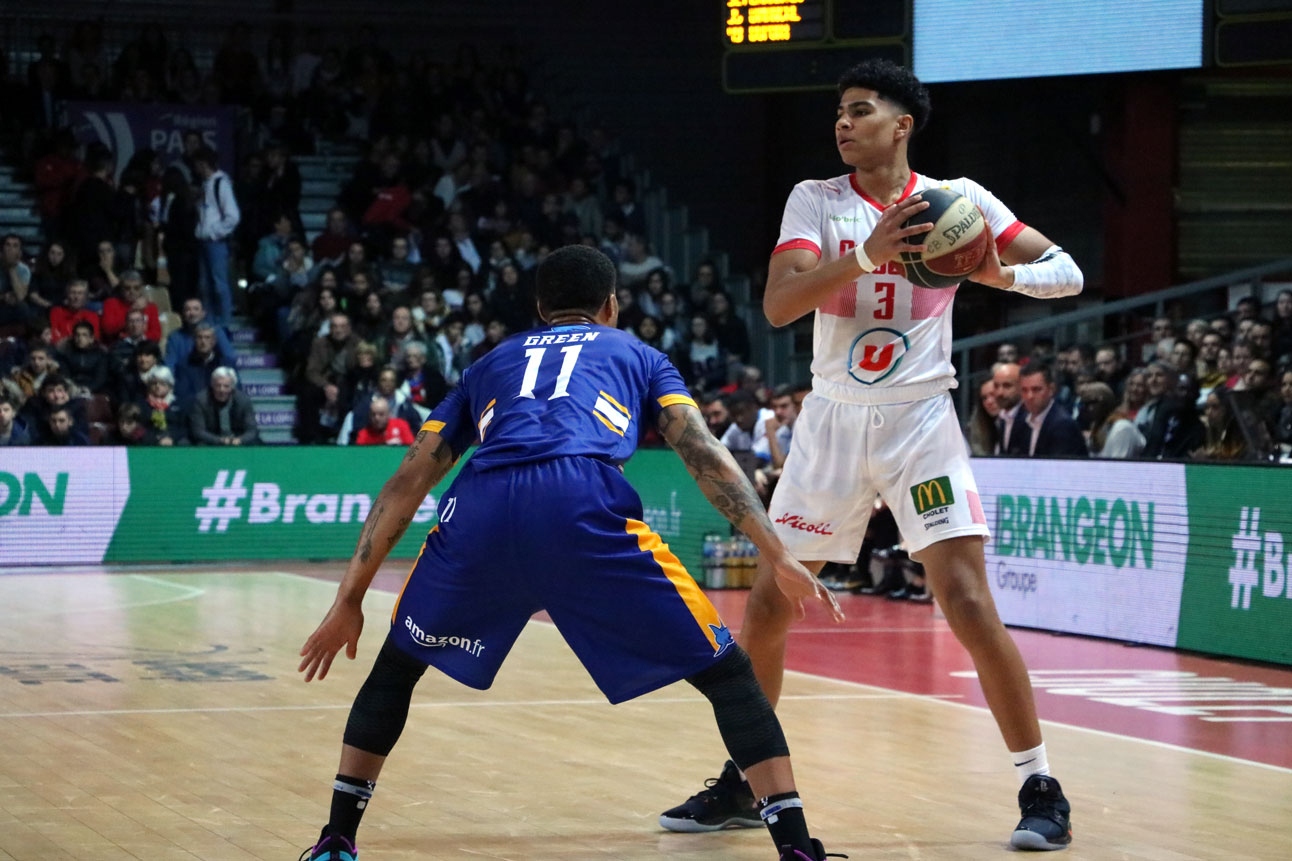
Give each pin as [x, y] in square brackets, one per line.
[574, 278]
[895, 83]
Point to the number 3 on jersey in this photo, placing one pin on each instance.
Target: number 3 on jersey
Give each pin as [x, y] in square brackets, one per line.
[884, 292]
[534, 355]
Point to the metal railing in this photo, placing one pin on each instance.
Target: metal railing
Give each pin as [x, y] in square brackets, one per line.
[962, 348]
[782, 361]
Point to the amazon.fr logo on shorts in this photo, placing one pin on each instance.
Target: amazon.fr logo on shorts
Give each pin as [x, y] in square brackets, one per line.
[933, 495]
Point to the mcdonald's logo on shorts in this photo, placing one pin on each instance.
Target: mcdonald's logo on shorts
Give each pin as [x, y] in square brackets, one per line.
[932, 494]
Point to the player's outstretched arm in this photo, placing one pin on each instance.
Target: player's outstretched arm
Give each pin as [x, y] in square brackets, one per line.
[725, 486]
[428, 460]
[799, 283]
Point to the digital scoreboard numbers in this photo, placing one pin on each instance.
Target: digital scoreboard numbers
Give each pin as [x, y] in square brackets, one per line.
[786, 45]
[764, 22]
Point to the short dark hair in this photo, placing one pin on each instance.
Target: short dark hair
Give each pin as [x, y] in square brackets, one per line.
[574, 278]
[1045, 369]
[152, 348]
[784, 390]
[207, 156]
[53, 380]
[892, 82]
[741, 398]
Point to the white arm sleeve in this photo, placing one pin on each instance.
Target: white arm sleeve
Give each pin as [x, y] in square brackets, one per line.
[1051, 276]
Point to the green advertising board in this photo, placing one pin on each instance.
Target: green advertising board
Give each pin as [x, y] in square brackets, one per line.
[1187, 556]
[1236, 598]
[207, 504]
[199, 504]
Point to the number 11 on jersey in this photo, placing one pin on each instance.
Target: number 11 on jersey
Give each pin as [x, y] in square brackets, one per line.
[534, 355]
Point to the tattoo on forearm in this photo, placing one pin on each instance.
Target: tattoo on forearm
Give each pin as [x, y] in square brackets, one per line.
[365, 539]
[373, 526]
[416, 447]
[711, 464]
[393, 538]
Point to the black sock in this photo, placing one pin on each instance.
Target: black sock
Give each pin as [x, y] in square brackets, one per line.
[783, 815]
[349, 799]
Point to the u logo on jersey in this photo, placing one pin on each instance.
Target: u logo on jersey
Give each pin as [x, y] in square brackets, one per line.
[875, 354]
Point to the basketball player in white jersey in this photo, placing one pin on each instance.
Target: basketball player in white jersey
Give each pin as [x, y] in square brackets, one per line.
[880, 421]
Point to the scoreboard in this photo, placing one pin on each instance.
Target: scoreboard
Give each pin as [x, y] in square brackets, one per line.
[750, 22]
[776, 45]
[780, 45]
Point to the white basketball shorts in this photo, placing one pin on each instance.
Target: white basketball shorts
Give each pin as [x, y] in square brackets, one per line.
[842, 456]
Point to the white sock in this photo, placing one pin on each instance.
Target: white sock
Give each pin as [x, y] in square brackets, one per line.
[1030, 762]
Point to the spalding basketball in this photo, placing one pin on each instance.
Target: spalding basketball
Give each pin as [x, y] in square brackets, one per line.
[953, 247]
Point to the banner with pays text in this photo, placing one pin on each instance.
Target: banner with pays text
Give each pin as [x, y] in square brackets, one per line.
[127, 127]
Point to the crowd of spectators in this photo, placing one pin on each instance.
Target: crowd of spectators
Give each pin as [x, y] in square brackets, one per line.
[1216, 389]
[426, 261]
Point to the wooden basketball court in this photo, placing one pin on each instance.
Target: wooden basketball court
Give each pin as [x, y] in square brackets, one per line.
[156, 714]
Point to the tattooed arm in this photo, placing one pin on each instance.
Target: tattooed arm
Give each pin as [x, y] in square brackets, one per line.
[716, 472]
[728, 490]
[428, 460]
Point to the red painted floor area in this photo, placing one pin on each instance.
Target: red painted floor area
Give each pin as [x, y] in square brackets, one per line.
[1229, 708]
[1223, 707]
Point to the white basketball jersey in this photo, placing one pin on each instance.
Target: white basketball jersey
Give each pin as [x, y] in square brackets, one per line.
[880, 339]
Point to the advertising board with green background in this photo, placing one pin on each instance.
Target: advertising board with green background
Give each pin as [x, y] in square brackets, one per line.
[1189, 556]
[1236, 598]
[207, 504]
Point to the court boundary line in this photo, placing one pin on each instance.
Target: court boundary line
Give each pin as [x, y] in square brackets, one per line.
[1044, 721]
[845, 682]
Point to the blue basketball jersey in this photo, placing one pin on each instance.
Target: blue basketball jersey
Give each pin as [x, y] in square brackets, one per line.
[564, 391]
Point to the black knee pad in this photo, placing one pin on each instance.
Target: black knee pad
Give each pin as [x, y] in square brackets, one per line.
[748, 725]
[381, 707]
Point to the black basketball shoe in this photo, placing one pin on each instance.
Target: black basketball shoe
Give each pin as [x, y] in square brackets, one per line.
[1045, 823]
[725, 802]
[818, 853]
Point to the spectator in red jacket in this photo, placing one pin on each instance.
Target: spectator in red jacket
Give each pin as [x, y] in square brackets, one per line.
[62, 318]
[330, 246]
[129, 296]
[381, 429]
[391, 199]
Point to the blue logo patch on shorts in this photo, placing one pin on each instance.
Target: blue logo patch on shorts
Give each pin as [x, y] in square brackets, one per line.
[722, 637]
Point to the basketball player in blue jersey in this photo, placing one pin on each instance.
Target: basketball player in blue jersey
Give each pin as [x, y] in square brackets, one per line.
[541, 518]
[880, 423]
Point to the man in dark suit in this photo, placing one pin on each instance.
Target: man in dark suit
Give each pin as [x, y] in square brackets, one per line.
[1048, 429]
[1011, 426]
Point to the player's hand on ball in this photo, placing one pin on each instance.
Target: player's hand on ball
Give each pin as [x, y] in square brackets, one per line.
[888, 240]
[340, 627]
[991, 273]
[797, 583]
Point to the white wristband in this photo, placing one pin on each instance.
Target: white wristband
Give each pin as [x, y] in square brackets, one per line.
[862, 260]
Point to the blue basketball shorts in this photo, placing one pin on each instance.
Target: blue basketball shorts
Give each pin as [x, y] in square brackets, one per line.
[565, 536]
